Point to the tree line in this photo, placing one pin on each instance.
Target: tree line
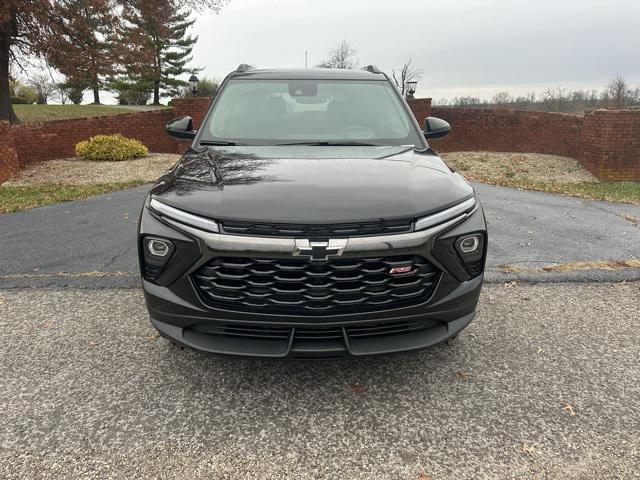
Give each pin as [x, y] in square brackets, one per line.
[618, 94]
[137, 48]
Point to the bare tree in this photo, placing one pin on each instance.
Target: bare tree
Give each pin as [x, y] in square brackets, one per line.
[502, 98]
[42, 84]
[407, 73]
[343, 56]
[618, 94]
[556, 99]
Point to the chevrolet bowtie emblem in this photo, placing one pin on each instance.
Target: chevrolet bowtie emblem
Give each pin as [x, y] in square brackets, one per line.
[319, 251]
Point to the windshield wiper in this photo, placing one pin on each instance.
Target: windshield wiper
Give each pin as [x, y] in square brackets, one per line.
[216, 142]
[331, 144]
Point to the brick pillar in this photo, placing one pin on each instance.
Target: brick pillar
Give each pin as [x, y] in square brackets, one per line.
[610, 144]
[9, 161]
[194, 107]
[421, 108]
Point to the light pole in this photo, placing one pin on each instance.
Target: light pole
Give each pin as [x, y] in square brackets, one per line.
[193, 82]
[411, 89]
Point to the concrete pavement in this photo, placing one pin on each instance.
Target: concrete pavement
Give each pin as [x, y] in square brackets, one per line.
[542, 385]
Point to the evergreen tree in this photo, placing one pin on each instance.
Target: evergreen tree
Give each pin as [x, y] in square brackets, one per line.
[158, 47]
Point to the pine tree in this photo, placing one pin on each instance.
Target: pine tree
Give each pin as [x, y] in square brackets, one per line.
[159, 47]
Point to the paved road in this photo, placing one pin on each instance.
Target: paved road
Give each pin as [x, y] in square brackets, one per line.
[527, 229]
[88, 391]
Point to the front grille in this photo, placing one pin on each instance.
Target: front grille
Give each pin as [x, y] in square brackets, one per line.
[298, 286]
[385, 227]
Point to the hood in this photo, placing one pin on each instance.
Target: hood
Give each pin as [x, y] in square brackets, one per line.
[307, 185]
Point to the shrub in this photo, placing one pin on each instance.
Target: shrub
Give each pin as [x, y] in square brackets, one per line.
[114, 148]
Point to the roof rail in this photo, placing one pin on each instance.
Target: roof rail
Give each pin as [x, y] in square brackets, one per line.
[243, 67]
[372, 69]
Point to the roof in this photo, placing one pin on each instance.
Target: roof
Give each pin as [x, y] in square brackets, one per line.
[308, 74]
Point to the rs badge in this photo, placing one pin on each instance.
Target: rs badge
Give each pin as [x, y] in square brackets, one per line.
[402, 269]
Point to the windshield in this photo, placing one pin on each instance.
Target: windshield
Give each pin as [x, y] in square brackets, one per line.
[324, 112]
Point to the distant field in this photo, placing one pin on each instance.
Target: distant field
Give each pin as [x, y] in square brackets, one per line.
[43, 113]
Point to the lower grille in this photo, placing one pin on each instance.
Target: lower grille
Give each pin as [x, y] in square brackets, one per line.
[295, 286]
[313, 333]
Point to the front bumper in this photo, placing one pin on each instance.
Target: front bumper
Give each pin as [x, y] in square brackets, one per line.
[180, 314]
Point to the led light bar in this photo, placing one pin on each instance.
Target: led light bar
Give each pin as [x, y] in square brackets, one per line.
[184, 217]
[443, 216]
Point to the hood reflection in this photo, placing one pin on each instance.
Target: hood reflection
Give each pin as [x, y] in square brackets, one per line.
[213, 169]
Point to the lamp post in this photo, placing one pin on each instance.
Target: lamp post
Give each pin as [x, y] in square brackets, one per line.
[411, 89]
[193, 82]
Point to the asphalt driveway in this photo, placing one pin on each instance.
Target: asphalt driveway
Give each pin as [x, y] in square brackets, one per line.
[542, 385]
[92, 242]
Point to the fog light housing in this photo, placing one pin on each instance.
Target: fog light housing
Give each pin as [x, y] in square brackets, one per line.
[471, 248]
[156, 255]
[469, 244]
[158, 248]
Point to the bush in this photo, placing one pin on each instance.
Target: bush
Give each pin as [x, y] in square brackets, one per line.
[114, 148]
[133, 97]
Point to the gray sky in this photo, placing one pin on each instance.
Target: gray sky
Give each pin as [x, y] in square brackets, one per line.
[472, 47]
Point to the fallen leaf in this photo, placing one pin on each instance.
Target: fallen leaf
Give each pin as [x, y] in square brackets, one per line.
[154, 337]
[569, 409]
[512, 284]
[357, 388]
[462, 375]
[93, 343]
[530, 450]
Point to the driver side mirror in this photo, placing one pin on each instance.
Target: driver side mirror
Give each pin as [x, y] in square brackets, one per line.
[435, 128]
[181, 127]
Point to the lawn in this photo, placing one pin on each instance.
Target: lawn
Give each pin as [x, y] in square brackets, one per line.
[16, 198]
[43, 113]
[545, 173]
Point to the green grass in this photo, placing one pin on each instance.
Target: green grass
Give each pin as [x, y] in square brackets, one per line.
[43, 113]
[16, 198]
[627, 192]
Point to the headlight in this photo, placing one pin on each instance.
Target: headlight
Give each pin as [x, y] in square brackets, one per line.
[183, 217]
[448, 214]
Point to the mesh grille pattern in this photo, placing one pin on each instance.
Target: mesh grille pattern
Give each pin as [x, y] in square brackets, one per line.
[299, 286]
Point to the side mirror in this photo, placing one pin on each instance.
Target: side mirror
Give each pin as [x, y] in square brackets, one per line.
[181, 127]
[435, 128]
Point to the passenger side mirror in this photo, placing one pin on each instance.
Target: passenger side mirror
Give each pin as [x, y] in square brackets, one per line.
[181, 127]
[435, 128]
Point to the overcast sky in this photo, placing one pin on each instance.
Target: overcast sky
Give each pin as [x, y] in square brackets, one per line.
[472, 47]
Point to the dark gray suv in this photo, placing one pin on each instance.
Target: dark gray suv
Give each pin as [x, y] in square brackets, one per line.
[310, 218]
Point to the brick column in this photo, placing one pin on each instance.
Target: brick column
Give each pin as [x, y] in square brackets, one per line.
[610, 144]
[9, 161]
[194, 107]
[421, 108]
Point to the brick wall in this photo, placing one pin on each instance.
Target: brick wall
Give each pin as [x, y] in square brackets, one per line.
[9, 160]
[41, 141]
[509, 131]
[607, 142]
[610, 144]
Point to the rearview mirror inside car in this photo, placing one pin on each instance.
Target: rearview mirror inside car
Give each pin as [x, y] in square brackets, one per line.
[181, 127]
[435, 128]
